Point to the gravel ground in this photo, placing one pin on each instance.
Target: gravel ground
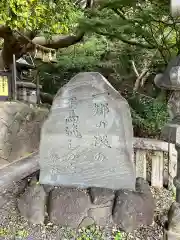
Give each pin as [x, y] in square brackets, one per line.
[12, 224]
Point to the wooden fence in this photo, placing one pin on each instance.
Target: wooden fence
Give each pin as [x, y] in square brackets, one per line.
[156, 161]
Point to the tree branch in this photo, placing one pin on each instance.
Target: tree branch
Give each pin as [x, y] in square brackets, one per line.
[30, 45]
[134, 68]
[57, 41]
[17, 43]
[119, 13]
[144, 72]
[132, 21]
[123, 39]
[4, 30]
[138, 80]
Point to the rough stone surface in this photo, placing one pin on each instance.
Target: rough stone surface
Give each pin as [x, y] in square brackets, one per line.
[12, 221]
[87, 140]
[143, 187]
[164, 80]
[72, 207]
[174, 218]
[133, 209]
[87, 221]
[168, 235]
[173, 105]
[68, 206]
[31, 203]
[48, 188]
[20, 126]
[102, 214]
[3, 163]
[171, 131]
[19, 187]
[101, 195]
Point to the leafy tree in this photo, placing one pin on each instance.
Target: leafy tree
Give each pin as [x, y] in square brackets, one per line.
[80, 57]
[148, 115]
[29, 25]
[145, 26]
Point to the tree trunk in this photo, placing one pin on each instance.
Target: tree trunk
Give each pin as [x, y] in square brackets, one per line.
[1, 61]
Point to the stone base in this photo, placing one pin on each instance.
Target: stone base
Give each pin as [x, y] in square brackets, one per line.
[81, 208]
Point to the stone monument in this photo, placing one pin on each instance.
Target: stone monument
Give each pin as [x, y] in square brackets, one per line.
[87, 140]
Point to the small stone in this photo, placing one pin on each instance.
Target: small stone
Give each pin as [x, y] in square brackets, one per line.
[102, 215]
[18, 188]
[49, 224]
[68, 207]
[133, 209]
[87, 221]
[101, 195]
[31, 204]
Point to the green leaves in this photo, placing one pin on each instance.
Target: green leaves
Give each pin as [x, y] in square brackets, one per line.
[118, 3]
[118, 236]
[52, 16]
[149, 115]
[144, 23]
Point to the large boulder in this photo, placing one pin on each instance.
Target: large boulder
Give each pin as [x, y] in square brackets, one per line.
[20, 126]
[68, 206]
[134, 208]
[87, 140]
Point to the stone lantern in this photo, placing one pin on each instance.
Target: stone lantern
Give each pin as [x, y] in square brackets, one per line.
[26, 90]
[170, 80]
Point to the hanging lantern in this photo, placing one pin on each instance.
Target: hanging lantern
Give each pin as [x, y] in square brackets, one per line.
[175, 8]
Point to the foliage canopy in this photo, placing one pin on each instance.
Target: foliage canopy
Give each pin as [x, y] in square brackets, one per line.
[45, 16]
[143, 23]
